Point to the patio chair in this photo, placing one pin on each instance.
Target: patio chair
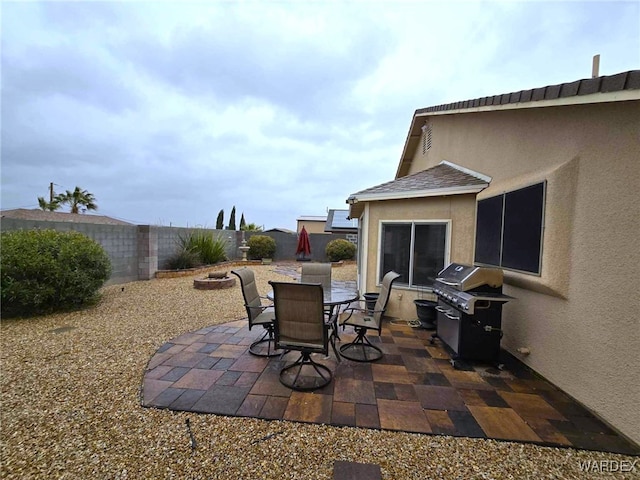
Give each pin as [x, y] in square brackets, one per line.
[317, 273]
[300, 326]
[320, 273]
[362, 320]
[258, 314]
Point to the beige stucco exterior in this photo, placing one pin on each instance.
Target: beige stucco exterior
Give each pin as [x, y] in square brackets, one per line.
[580, 317]
[312, 226]
[458, 211]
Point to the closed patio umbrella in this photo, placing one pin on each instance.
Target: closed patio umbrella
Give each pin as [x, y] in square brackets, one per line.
[304, 246]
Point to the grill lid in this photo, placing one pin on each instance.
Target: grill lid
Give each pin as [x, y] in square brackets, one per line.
[468, 277]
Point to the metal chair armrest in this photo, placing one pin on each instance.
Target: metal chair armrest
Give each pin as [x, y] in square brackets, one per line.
[267, 299]
[261, 308]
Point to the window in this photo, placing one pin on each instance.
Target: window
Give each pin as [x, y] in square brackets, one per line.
[416, 250]
[509, 229]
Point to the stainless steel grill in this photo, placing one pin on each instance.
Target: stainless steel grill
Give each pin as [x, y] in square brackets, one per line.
[469, 310]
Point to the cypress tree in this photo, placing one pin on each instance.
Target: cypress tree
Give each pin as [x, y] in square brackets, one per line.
[242, 222]
[232, 219]
[220, 221]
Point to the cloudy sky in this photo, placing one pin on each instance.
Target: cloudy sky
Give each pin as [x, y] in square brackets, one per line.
[169, 112]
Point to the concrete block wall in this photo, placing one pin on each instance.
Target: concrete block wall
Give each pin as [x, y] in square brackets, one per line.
[286, 244]
[168, 241]
[352, 237]
[120, 242]
[147, 252]
[137, 252]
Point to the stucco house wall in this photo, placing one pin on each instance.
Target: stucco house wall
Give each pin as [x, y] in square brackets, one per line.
[579, 317]
[312, 226]
[457, 210]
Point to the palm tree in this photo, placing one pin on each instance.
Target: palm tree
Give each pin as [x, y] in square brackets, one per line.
[251, 227]
[48, 206]
[76, 199]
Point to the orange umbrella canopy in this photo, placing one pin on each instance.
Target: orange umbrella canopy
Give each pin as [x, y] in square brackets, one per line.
[304, 246]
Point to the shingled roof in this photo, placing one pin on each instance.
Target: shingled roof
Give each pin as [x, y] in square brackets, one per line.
[612, 83]
[41, 215]
[443, 179]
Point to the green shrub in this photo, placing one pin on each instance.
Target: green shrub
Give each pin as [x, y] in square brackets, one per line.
[198, 247]
[182, 260]
[261, 246]
[45, 271]
[340, 249]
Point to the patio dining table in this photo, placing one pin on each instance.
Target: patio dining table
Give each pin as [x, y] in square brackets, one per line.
[333, 299]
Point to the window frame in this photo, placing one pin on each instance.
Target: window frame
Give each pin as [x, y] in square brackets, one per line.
[413, 223]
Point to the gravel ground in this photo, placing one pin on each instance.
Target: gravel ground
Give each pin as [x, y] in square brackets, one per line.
[71, 407]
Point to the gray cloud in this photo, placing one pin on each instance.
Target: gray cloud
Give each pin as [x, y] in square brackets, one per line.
[169, 112]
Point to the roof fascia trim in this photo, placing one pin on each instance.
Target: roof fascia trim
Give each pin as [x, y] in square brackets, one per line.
[435, 192]
[620, 96]
[468, 171]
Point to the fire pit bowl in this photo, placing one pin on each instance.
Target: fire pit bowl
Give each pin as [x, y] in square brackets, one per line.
[214, 281]
[218, 275]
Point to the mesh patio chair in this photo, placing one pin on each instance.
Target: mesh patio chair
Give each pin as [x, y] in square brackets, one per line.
[300, 326]
[362, 320]
[258, 314]
[316, 273]
[321, 273]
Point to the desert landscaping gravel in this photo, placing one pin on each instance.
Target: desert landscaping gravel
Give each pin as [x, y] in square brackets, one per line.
[71, 407]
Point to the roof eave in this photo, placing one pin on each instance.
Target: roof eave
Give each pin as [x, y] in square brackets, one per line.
[434, 192]
[600, 97]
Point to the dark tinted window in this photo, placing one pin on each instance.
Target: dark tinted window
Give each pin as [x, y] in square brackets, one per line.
[428, 252]
[489, 230]
[509, 229]
[522, 235]
[396, 242]
[415, 250]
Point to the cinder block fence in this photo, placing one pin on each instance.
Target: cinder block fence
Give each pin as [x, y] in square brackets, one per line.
[137, 252]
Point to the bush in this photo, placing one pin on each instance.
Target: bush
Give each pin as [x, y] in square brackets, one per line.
[182, 260]
[198, 248]
[340, 249]
[45, 271]
[261, 246]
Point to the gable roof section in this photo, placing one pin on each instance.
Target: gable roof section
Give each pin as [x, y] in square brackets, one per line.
[612, 88]
[312, 218]
[281, 230]
[444, 179]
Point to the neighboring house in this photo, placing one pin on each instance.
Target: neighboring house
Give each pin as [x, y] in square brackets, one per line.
[44, 215]
[544, 184]
[281, 230]
[338, 221]
[312, 223]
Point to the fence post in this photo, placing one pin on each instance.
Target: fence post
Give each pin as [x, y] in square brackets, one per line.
[147, 252]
